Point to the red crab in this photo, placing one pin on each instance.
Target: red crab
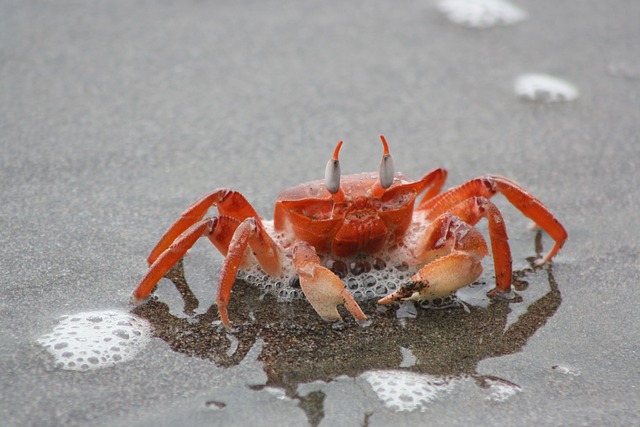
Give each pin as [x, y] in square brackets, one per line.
[357, 215]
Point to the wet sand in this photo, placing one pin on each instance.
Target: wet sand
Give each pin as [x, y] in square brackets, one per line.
[116, 116]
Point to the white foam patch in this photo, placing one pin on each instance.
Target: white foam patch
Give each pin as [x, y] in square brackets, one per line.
[481, 13]
[95, 339]
[407, 391]
[404, 391]
[544, 88]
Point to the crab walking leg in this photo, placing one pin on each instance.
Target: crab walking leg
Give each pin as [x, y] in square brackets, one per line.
[323, 289]
[229, 203]
[435, 180]
[448, 273]
[488, 186]
[250, 233]
[472, 211]
[218, 229]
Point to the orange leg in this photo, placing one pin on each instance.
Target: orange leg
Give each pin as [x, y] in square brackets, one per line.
[229, 203]
[323, 289]
[472, 211]
[435, 180]
[459, 249]
[218, 229]
[249, 233]
[488, 186]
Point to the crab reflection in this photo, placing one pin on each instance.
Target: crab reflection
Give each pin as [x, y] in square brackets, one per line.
[299, 348]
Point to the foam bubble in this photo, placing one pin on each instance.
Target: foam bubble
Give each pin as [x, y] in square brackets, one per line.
[544, 88]
[95, 339]
[481, 13]
[407, 391]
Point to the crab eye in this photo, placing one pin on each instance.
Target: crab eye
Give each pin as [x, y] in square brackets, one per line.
[387, 169]
[332, 172]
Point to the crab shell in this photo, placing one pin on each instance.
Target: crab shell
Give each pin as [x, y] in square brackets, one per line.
[361, 221]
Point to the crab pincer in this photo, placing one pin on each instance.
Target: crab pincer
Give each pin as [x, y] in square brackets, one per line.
[322, 288]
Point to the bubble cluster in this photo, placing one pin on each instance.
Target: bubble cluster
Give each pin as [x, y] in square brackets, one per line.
[544, 88]
[95, 339]
[407, 391]
[481, 13]
[365, 277]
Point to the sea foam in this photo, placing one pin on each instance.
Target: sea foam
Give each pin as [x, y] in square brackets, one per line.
[95, 339]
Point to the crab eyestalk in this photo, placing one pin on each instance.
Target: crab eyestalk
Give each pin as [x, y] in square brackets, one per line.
[332, 173]
[387, 169]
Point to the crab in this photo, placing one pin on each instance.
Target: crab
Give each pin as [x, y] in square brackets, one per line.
[358, 215]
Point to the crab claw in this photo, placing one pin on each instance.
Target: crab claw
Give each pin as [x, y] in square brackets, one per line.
[323, 289]
[440, 278]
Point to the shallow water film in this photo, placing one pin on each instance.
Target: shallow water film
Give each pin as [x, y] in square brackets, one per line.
[400, 360]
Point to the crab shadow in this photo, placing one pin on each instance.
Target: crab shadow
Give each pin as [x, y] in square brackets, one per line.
[300, 348]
